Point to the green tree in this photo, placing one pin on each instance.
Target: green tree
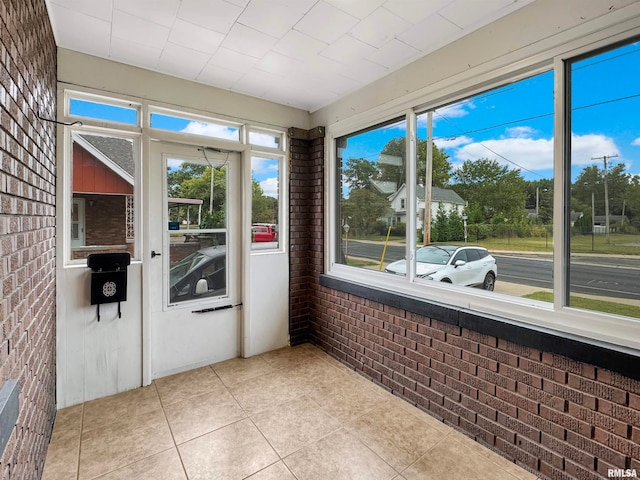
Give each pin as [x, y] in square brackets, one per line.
[397, 147]
[362, 210]
[264, 209]
[494, 189]
[359, 172]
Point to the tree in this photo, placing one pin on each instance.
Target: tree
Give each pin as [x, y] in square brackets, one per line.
[362, 210]
[397, 147]
[591, 181]
[359, 172]
[264, 209]
[540, 195]
[494, 189]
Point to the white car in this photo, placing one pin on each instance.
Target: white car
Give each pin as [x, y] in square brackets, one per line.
[467, 265]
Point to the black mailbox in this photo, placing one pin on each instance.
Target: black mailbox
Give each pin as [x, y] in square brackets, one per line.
[108, 278]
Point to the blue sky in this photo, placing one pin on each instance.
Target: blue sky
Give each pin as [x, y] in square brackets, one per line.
[514, 123]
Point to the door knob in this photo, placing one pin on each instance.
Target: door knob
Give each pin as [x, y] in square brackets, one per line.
[154, 254]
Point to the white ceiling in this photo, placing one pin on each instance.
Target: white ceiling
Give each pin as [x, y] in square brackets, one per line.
[303, 53]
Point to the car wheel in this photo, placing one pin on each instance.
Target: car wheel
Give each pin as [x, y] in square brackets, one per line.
[445, 280]
[489, 282]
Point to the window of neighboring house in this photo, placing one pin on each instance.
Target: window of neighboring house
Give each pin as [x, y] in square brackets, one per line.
[605, 181]
[266, 201]
[103, 197]
[98, 110]
[371, 189]
[195, 126]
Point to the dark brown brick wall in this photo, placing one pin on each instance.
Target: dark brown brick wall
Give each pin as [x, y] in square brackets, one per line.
[554, 416]
[27, 223]
[306, 228]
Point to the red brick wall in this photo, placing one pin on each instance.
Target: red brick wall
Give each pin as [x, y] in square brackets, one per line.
[305, 227]
[27, 222]
[556, 417]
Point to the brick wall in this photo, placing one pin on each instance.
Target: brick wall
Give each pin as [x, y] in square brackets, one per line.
[556, 417]
[305, 227]
[27, 222]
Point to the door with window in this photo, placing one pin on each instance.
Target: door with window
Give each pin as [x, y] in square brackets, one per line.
[193, 250]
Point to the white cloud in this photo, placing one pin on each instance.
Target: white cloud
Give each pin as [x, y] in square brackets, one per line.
[452, 142]
[636, 142]
[520, 132]
[211, 130]
[455, 110]
[270, 187]
[263, 166]
[537, 154]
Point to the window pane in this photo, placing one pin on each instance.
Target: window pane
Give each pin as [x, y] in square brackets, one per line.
[196, 229]
[265, 199]
[103, 111]
[491, 187]
[266, 139]
[372, 186]
[605, 182]
[103, 195]
[186, 125]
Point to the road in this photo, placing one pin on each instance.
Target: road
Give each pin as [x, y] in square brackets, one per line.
[604, 276]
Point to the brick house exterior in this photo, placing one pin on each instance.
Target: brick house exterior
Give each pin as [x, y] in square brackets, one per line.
[27, 229]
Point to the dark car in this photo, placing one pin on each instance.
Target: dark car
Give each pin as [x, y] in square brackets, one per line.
[199, 275]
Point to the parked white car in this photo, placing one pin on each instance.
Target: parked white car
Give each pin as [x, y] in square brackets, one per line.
[461, 265]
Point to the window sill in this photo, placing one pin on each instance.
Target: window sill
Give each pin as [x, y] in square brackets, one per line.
[577, 348]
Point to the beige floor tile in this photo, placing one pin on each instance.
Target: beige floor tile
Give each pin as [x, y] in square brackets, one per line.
[106, 449]
[277, 471]
[396, 435]
[238, 370]
[205, 413]
[287, 357]
[344, 399]
[401, 404]
[181, 386]
[290, 426]
[338, 456]
[62, 456]
[105, 411]
[232, 452]
[70, 417]
[162, 466]
[453, 459]
[261, 393]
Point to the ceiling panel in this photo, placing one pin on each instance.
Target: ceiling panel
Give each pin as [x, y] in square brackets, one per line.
[304, 53]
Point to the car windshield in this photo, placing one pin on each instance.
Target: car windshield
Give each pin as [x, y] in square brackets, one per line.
[184, 266]
[433, 254]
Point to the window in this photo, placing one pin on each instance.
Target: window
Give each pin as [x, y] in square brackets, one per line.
[195, 126]
[480, 188]
[265, 138]
[103, 111]
[265, 202]
[605, 181]
[103, 194]
[372, 187]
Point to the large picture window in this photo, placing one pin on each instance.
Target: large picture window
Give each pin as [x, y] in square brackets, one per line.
[465, 194]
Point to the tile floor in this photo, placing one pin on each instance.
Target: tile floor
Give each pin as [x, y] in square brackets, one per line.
[294, 413]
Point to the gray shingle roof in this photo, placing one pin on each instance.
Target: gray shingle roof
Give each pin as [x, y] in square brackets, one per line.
[441, 195]
[118, 150]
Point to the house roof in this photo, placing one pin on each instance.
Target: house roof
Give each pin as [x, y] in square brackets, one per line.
[118, 150]
[444, 195]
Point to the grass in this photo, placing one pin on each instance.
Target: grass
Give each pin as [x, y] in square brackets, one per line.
[592, 304]
[358, 262]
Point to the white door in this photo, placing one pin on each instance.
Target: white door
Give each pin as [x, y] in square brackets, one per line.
[193, 249]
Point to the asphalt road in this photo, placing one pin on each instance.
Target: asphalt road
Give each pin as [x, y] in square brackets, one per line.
[604, 276]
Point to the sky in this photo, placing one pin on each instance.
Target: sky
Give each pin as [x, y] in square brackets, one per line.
[513, 124]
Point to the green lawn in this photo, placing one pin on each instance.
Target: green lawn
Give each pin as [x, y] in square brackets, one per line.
[592, 304]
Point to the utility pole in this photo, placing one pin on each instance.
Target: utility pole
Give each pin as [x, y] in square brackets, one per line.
[606, 194]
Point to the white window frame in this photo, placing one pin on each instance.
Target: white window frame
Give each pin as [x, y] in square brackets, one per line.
[598, 328]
